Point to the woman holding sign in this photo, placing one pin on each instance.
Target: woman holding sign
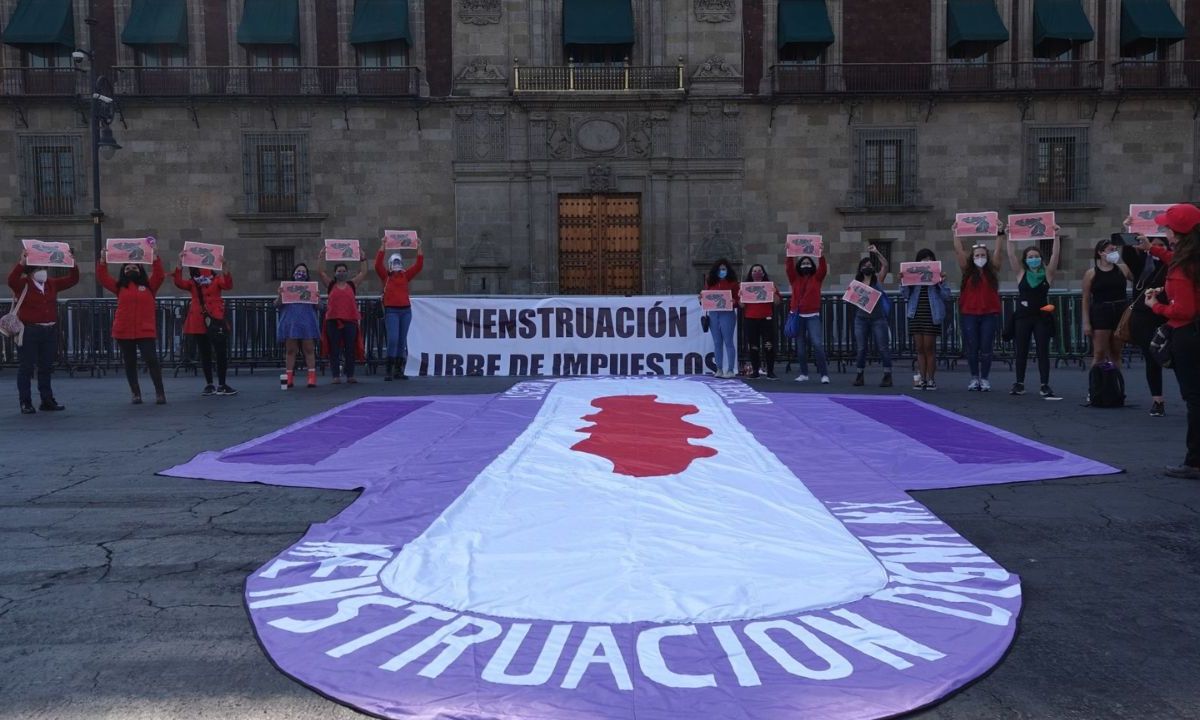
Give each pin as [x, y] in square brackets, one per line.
[873, 271]
[926, 312]
[760, 326]
[37, 294]
[342, 320]
[979, 307]
[1034, 315]
[806, 276]
[135, 326]
[206, 323]
[297, 330]
[722, 324]
[397, 307]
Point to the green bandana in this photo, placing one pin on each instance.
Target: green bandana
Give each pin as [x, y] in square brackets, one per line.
[1035, 277]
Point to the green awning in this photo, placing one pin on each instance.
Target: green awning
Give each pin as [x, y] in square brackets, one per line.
[380, 21]
[156, 22]
[597, 22]
[1146, 23]
[1058, 25]
[270, 22]
[41, 22]
[805, 22]
[973, 27]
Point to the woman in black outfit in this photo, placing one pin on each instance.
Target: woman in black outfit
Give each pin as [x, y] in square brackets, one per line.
[1030, 320]
[1105, 297]
[1148, 262]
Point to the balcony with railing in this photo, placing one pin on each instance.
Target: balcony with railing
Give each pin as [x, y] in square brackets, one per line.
[909, 78]
[44, 82]
[1178, 75]
[239, 81]
[584, 78]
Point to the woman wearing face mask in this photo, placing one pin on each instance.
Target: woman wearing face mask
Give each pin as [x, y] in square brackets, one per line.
[979, 307]
[39, 344]
[1031, 319]
[722, 323]
[760, 326]
[926, 313]
[297, 330]
[1182, 313]
[342, 319]
[1148, 261]
[1105, 297]
[397, 308]
[806, 275]
[873, 271]
[207, 308]
[135, 326]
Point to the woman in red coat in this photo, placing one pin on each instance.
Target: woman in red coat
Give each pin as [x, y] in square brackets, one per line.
[206, 323]
[134, 327]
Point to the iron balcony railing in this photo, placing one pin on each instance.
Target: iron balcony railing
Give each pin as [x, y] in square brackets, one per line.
[241, 81]
[46, 82]
[618, 78]
[1158, 74]
[950, 77]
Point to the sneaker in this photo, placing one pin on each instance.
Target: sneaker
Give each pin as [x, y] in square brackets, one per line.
[801, 378]
[930, 385]
[824, 379]
[1018, 388]
[1157, 409]
[887, 380]
[337, 380]
[858, 380]
[974, 385]
[771, 375]
[1187, 472]
[918, 381]
[1047, 393]
[226, 390]
[985, 386]
[27, 409]
[51, 405]
[209, 390]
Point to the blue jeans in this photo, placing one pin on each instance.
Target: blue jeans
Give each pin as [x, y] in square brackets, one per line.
[878, 327]
[979, 336]
[721, 324]
[343, 346]
[396, 321]
[811, 333]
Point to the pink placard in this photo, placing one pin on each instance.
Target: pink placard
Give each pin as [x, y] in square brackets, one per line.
[336, 250]
[716, 300]
[756, 292]
[203, 255]
[976, 224]
[401, 240]
[129, 250]
[40, 253]
[920, 273]
[1145, 220]
[805, 245]
[862, 296]
[1031, 226]
[299, 292]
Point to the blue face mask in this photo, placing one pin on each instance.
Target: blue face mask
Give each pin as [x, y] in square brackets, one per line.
[722, 273]
[1034, 262]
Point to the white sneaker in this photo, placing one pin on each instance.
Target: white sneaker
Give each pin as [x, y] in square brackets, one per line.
[985, 386]
[824, 379]
[801, 378]
[973, 385]
[918, 381]
[729, 374]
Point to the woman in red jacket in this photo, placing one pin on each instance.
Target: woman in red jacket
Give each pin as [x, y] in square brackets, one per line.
[206, 323]
[397, 308]
[806, 275]
[760, 326]
[1182, 313]
[39, 313]
[342, 319]
[134, 326]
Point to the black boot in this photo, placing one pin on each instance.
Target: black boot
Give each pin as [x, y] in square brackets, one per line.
[400, 363]
[387, 373]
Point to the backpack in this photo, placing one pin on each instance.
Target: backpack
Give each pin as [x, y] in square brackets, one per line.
[1106, 386]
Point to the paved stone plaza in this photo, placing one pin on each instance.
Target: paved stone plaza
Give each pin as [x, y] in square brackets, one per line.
[121, 591]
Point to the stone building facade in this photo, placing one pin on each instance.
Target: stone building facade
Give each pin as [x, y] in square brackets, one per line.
[722, 126]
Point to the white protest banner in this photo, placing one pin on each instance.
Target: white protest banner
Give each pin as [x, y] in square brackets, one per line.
[558, 336]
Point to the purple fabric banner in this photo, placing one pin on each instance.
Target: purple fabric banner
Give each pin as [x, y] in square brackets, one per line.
[496, 565]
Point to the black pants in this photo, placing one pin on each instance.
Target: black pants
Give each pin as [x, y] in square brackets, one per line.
[215, 346]
[761, 331]
[343, 343]
[1040, 329]
[37, 350]
[1141, 327]
[1185, 359]
[129, 353]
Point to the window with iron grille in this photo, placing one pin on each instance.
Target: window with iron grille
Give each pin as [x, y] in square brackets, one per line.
[884, 246]
[151, 56]
[802, 54]
[885, 169]
[383, 54]
[283, 260]
[46, 56]
[275, 169]
[1056, 165]
[50, 174]
[1046, 248]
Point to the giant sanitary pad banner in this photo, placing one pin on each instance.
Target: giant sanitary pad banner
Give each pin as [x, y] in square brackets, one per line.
[649, 549]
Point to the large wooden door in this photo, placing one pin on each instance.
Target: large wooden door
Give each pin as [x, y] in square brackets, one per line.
[599, 244]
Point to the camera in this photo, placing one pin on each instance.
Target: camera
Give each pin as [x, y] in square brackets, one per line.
[78, 57]
[1121, 239]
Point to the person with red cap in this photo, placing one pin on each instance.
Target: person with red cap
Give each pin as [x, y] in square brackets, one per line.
[1181, 309]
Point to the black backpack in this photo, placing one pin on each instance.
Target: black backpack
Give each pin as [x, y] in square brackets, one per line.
[1106, 386]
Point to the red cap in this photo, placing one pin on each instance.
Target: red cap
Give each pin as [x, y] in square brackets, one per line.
[1182, 218]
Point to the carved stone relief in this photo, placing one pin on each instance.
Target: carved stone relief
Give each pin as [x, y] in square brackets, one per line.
[713, 11]
[479, 12]
[479, 70]
[717, 245]
[600, 178]
[481, 134]
[559, 138]
[716, 67]
[714, 131]
[599, 136]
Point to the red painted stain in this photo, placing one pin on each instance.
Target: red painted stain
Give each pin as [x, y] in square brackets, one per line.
[643, 437]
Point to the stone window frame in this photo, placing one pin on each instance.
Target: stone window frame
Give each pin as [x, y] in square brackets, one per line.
[273, 267]
[252, 145]
[908, 175]
[30, 178]
[1079, 191]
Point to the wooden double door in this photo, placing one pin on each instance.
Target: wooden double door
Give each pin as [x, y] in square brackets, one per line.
[600, 244]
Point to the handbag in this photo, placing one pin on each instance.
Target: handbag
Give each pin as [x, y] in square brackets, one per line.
[704, 323]
[10, 324]
[1160, 345]
[213, 328]
[1123, 331]
[791, 327]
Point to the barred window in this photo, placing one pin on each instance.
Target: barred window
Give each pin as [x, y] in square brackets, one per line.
[283, 260]
[50, 174]
[885, 171]
[383, 54]
[275, 168]
[150, 56]
[1057, 165]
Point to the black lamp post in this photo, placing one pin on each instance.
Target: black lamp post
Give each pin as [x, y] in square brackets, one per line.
[103, 144]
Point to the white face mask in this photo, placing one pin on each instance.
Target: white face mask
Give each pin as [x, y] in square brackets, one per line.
[39, 277]
[1113, 257]
[980, 262]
